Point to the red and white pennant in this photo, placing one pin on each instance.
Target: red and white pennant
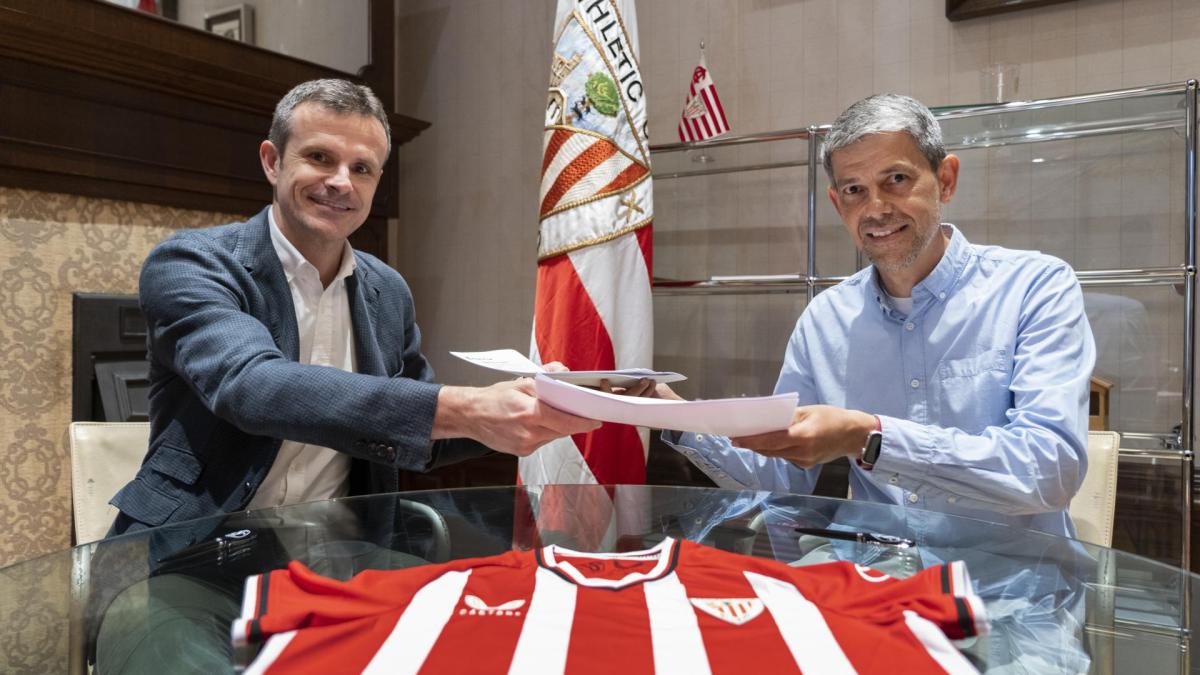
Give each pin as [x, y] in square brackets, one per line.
[703, 115]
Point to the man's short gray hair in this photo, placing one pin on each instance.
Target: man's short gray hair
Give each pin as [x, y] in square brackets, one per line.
[884, 113]
[339, 96]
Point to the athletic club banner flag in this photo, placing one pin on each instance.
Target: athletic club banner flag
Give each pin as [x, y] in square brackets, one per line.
[703, 117]
[592, 307]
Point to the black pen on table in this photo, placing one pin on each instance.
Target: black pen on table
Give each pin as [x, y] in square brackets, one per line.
[860, 537]
[224, 549]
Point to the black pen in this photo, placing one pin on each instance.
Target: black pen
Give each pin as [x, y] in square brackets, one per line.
[224, 549]
[860, 537]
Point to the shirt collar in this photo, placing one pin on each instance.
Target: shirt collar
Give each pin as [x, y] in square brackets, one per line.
[938, 283]
[293, 261]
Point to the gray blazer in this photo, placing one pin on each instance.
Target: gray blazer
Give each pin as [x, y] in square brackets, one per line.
[226, 387]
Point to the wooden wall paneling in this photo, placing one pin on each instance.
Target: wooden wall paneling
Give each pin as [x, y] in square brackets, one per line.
[103, 101]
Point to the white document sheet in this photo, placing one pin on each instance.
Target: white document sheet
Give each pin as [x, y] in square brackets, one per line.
[723, 416]
[514, 363]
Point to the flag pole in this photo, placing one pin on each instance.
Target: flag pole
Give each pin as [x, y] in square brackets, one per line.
[701, 157]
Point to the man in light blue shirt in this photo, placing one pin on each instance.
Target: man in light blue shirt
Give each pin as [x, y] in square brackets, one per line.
[971, 361]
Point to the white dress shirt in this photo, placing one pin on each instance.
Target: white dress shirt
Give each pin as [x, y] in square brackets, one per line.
[303, 472]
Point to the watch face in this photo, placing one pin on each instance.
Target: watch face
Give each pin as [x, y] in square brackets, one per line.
[874, 444]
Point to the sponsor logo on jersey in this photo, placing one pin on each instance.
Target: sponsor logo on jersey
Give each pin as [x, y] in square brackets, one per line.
[736, 611]
[476, 605]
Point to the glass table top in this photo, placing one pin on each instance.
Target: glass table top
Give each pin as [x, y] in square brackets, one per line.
[1055, 605]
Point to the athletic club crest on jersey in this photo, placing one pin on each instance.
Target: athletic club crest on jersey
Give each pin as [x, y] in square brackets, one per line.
[736, 611]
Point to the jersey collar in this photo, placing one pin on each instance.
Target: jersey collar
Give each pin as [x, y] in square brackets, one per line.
[554, 559]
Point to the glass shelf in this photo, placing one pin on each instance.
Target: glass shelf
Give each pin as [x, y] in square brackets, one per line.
[1067, 118]
[748, 152]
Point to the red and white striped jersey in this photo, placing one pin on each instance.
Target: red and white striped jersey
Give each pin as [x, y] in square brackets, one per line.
[677, 608]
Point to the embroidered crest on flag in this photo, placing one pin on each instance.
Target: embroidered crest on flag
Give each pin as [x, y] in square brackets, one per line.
[596, 160]
[736, 611]
[695, 109]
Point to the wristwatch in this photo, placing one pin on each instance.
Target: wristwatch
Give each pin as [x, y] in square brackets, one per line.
[870, 451]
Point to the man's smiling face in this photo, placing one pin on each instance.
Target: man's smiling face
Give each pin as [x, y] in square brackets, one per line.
[327, 175]
[889, 199]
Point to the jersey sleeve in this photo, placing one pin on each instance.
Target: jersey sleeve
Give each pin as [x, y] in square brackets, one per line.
[942, 595]
[277, 604]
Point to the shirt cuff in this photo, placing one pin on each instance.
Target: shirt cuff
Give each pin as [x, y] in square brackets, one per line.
[909, 449]
[692, 447]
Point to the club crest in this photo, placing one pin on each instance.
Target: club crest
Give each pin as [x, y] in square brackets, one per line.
[736, 611]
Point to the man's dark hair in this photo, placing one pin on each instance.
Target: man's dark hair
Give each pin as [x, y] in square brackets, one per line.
[339, 96]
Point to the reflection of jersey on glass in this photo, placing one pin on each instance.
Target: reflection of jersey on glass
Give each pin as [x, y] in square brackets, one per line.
[679, 607]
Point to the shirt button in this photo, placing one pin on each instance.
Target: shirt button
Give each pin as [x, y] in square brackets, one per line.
[912, 499]
[700, 437]
[909, 326]
[915, 384]
[893, 480]
[942, 295]
[952, 499]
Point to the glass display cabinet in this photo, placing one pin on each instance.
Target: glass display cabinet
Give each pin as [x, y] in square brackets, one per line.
[745, 236]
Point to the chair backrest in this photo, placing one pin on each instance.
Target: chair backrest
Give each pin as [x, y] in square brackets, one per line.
[1093, 507]
[104, 457]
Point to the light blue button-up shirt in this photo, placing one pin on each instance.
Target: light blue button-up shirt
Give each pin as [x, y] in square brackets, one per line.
[981, 390]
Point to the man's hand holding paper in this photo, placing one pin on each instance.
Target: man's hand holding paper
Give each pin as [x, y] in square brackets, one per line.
[725, 417]
[817, 434]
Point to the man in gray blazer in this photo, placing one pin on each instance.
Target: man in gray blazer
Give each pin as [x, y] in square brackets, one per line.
[287, 367]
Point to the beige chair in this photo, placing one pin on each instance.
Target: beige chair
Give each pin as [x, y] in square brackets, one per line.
[1093, 511]
[104, 457]
[1093, 507]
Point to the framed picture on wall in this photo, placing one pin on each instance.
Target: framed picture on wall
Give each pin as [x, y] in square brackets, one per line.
[235, 23]
[957, 10]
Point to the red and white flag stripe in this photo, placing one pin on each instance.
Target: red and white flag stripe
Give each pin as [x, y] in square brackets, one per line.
[703, 115]
[592, 309]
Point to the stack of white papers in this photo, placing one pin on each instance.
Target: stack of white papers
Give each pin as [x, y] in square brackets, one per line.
[724, 417]
[514, 363]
